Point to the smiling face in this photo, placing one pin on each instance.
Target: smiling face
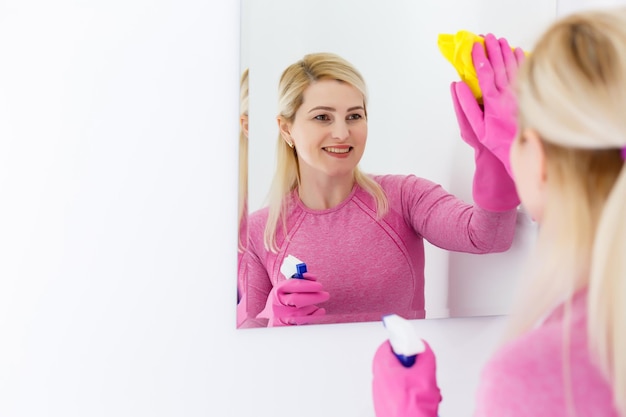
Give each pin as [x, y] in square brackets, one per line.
[329, 131]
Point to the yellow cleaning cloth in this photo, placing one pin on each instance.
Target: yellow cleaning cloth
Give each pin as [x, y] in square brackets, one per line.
[458, 50]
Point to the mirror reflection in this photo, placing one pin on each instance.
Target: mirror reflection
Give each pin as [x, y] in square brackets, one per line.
[242, 204]
[357, 169]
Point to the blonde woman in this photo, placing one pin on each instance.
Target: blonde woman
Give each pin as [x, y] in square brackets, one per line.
[243, 160]
[361, 236]
[567, 352]
[243, 192]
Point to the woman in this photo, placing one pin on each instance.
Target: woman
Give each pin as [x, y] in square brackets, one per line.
[361, 236]
[242, 210]
[566, 354]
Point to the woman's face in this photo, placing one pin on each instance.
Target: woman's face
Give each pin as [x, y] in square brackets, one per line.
[329, 130]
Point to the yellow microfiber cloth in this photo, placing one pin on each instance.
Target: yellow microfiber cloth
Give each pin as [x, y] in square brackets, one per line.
[457, 49]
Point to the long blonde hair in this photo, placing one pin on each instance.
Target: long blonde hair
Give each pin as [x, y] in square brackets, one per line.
[293, 83]
[572, 91]
[243, 162]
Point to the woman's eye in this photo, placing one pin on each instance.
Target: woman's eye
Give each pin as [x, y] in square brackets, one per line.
[355, 116]
[322, 117]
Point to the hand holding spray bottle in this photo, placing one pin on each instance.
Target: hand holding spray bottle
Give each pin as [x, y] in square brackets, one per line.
[293, 300]
[405, 383]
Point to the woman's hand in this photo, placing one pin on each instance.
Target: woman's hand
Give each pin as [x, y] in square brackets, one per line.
[495, 122]
[293, 301]
[491, 128]
[405, 392]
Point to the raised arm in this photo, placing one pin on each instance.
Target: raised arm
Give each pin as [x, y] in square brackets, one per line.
[449, 223]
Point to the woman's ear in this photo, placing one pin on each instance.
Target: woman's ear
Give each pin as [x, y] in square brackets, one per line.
[285, 130]
[537, 156]
[528, 159]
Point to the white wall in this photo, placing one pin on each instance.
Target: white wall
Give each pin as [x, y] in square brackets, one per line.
[569, 6]
[117, 250]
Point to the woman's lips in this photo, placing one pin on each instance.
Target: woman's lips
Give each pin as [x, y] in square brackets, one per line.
[338, 151]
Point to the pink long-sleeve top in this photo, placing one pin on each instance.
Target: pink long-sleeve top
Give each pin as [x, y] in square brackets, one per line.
[548, 371]
[372, 267]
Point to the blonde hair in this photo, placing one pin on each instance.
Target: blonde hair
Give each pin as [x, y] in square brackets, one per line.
[243, 161]
[293, 83]
[572, 91]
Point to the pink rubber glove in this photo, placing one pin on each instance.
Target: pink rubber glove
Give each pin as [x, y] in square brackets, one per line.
[292, 301]
[490, 129]
[495, 124]
[405, 392]
[493, 187]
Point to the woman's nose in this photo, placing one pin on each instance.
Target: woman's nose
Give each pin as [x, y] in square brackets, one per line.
[340, 130]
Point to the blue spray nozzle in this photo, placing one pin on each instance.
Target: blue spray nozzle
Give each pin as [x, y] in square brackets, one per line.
[406, 361]
[300, 270]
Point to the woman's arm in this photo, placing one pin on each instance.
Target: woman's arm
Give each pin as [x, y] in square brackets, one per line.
[255, 286]
[450, 223]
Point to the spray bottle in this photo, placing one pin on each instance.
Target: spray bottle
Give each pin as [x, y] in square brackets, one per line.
[403, 339]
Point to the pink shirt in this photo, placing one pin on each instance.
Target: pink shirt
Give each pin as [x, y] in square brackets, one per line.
[527, 377]
[369, 267]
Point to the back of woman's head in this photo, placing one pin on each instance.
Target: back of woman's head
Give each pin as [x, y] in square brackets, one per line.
[572, 92]
[572, 88]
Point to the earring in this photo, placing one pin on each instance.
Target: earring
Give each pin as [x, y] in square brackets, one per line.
[290, 144]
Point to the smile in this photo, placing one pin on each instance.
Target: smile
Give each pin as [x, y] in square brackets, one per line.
[338, 150]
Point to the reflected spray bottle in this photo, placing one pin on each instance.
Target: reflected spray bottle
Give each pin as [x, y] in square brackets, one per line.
[293, 267]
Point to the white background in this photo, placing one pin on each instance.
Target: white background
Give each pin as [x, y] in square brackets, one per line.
[411, 124]
[117, 244]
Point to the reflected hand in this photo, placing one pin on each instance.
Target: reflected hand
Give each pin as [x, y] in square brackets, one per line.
[490, 129]
[402, 392]
[493, 188]
[495, 123]
[293, 301]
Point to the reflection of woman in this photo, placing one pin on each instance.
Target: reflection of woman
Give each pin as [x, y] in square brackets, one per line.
[568, 353]
[243, 160]
[243, 188]
[361, 236]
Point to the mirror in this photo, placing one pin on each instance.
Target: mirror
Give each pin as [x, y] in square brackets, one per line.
[411, 124]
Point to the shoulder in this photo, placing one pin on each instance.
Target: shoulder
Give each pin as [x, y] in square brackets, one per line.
[257, 219]
[534, 366]
[528, 367]
[405, 188]
[257, 222]
[532, 351]
[392, 181]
